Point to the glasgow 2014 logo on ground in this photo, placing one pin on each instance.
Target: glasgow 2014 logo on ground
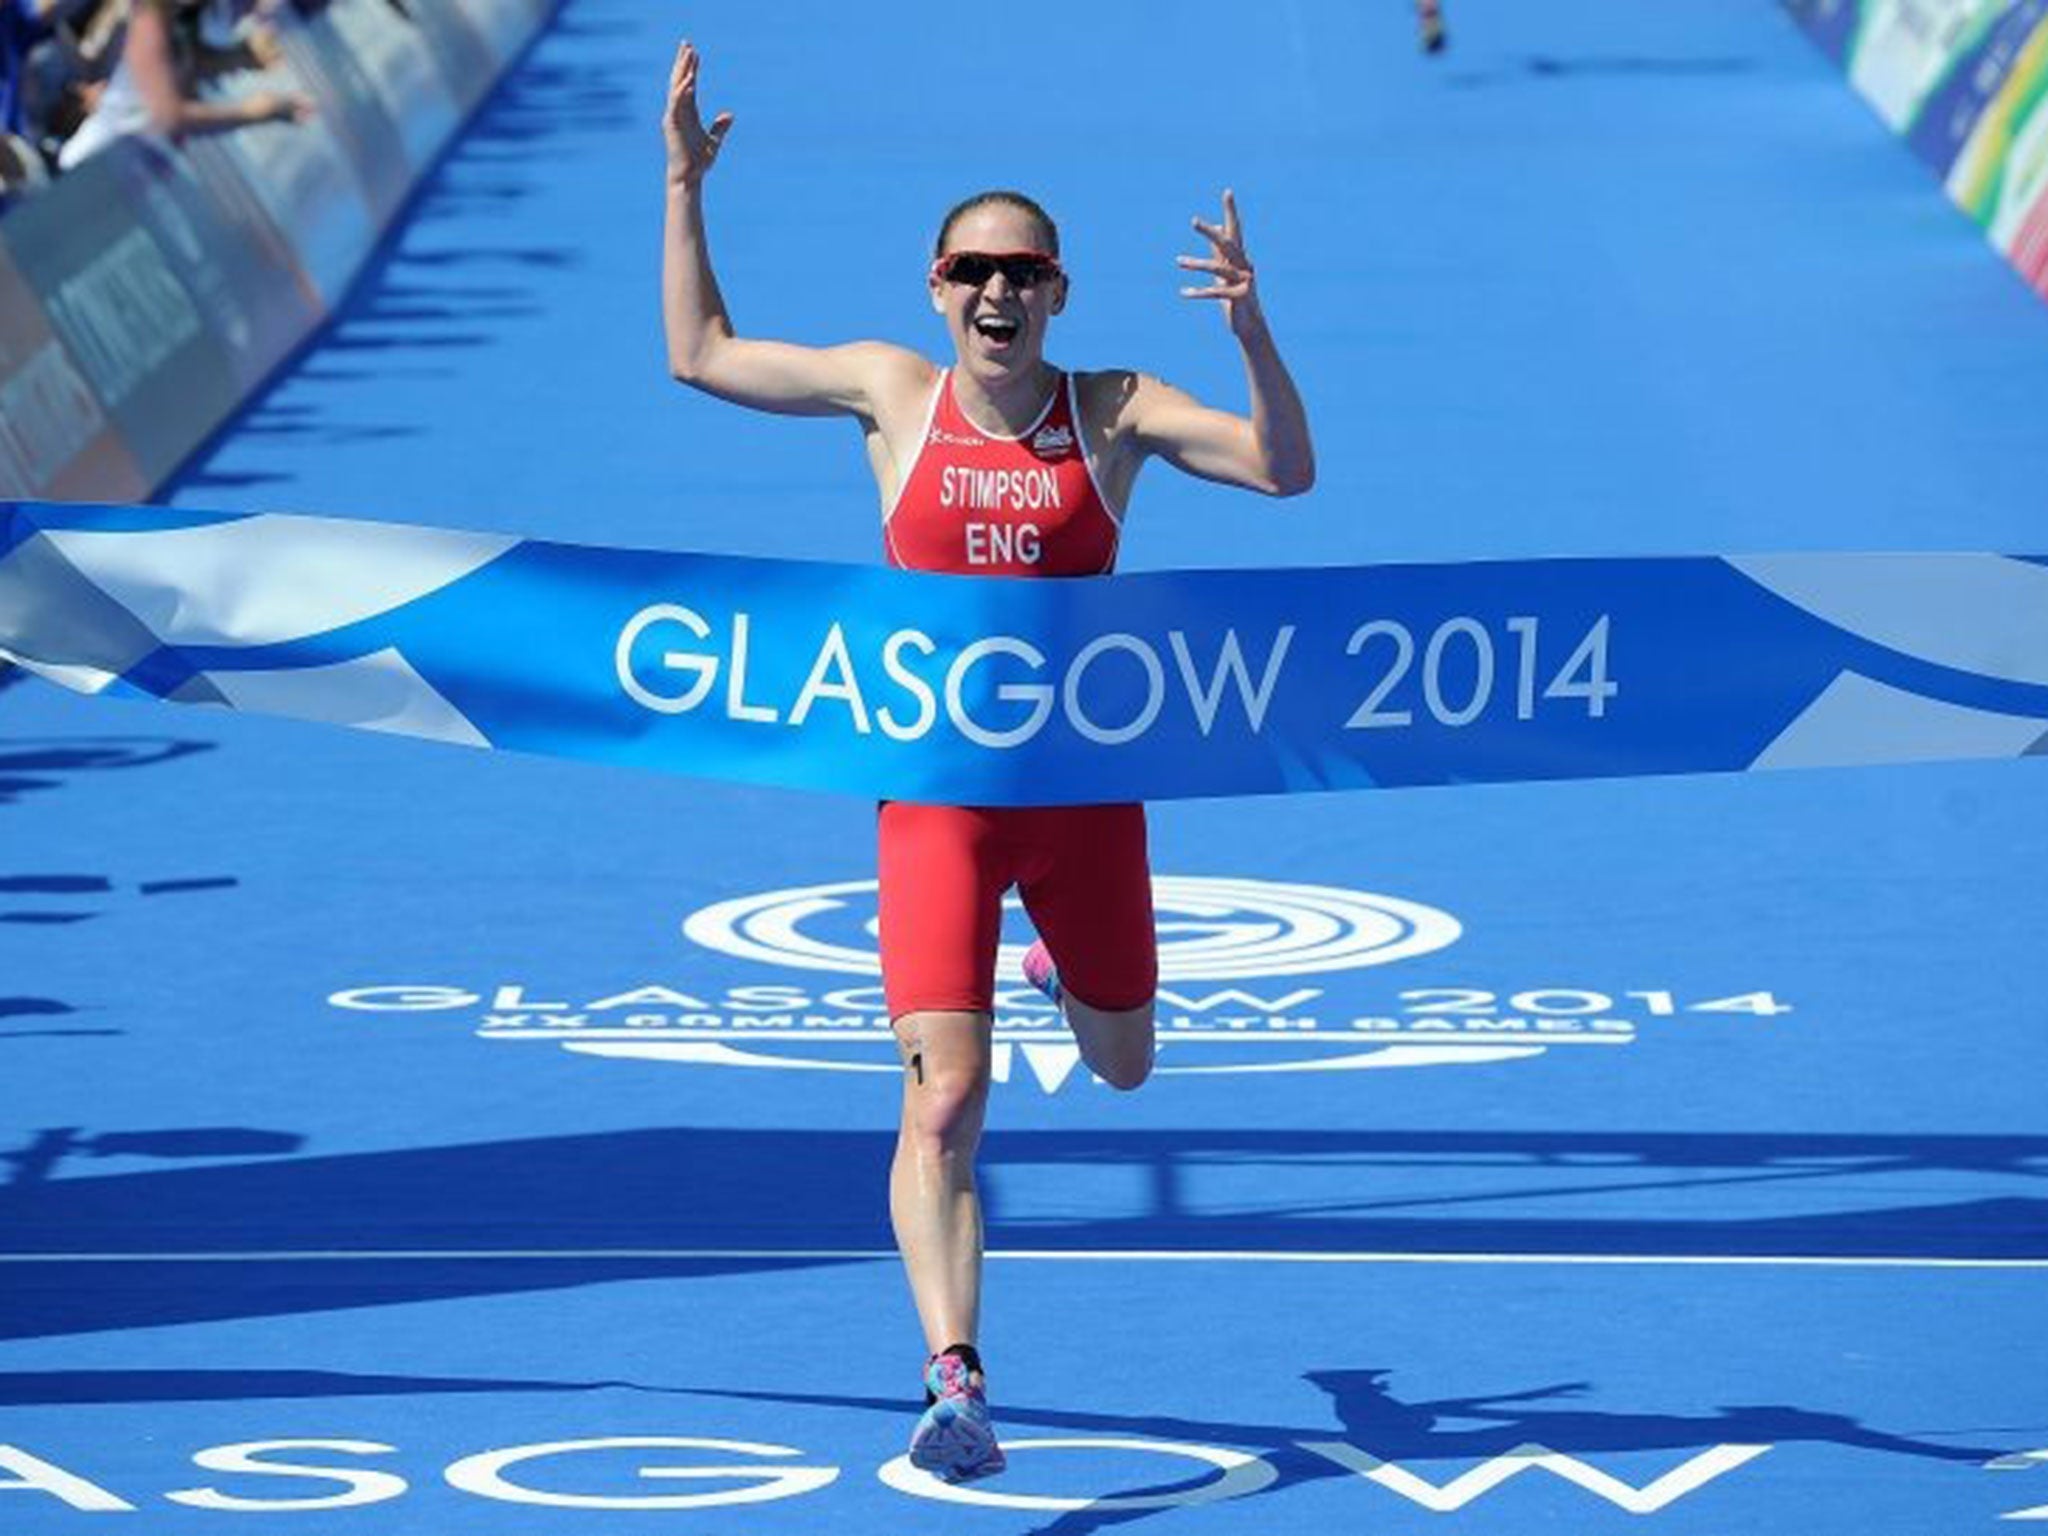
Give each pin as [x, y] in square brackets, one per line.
[1242, 991]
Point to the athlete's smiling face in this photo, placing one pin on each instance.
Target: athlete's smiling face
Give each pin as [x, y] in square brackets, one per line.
[997, 324]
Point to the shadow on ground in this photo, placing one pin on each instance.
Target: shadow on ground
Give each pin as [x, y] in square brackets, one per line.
[301, 1234]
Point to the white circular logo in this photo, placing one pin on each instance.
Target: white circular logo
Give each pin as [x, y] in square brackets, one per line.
[1209, 928]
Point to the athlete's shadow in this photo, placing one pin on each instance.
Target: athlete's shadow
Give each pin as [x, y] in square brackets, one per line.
[1477, 1428]
[1385, 1427]
[1395, 1430]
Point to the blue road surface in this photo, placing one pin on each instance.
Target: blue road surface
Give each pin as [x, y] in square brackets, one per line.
[1669, 1148]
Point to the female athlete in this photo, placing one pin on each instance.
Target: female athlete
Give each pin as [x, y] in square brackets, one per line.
[1004, 465]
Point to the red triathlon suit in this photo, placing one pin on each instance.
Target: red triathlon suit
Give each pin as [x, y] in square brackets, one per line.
[976, 504]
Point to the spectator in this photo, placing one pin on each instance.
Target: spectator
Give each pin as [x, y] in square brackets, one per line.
[154, 89]
[233, 35]
[23, 24]
[1429, 25]
[54, 57]
[21, 166]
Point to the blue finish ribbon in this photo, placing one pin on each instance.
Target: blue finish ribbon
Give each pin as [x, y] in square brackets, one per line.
[985, 691]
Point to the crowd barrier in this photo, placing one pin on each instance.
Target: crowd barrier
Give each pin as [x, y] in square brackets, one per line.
[147, 293]
[1965, 83]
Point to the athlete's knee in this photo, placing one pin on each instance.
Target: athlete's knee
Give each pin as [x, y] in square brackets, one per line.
[1129, 1065]
[1122, 1047]
[948, 1089]
[945, 1106]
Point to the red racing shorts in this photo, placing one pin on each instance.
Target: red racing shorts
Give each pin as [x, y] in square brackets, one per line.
[1080, 869]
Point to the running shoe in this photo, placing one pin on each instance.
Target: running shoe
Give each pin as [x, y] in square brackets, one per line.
[1040, 971]
[955, 1440]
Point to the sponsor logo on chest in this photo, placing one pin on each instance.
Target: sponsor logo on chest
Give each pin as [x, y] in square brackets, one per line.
[1053, 439]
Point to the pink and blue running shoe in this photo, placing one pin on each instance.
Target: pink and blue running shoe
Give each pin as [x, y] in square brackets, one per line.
[955, 1440]
[1040, 971]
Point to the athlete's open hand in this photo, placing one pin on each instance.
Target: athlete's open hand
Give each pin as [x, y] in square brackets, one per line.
[691, 146]
[1230, 267]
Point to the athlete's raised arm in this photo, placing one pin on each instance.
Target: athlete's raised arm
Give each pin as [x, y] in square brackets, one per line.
[1268, 451]
[702, 349]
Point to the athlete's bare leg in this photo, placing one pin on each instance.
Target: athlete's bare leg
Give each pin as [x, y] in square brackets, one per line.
[1117, 1044]
[932, 1199]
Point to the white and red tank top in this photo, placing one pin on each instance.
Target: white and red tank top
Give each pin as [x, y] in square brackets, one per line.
[976, 504]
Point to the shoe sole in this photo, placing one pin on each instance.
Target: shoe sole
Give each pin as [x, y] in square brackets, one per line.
[960, 1452]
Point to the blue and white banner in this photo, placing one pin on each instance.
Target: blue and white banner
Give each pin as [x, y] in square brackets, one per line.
[981, 691]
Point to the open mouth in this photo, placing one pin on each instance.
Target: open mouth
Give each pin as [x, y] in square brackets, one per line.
[996, 329]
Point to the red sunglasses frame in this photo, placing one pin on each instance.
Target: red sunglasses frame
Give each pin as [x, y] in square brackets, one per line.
[942, 267]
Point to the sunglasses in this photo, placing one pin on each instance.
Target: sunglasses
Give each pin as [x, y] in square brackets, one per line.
[1020, 269]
